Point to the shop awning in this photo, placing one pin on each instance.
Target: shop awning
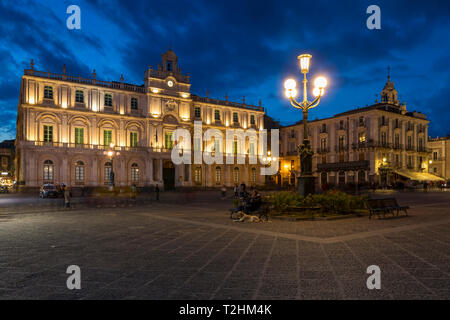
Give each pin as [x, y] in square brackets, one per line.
[418, 176]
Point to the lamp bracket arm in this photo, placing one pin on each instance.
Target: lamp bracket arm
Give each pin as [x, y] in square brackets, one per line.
[315, 103]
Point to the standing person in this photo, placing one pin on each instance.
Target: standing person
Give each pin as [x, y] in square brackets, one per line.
[236, 190]
[67, 197]
[243, 189]
[157, 192]
[224, 192]
[133, 191]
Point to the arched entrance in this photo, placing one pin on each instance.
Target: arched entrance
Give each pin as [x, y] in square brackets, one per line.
[168, 175]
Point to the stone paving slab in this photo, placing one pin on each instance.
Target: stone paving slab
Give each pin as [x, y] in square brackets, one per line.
[172, 251]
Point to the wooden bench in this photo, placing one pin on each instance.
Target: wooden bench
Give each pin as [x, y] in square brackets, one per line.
[391, 205]
[384, 206]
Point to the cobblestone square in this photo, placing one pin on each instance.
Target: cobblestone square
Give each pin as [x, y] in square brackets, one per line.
[182, 248]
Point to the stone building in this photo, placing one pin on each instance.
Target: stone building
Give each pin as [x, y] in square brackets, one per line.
[380, 143]
[77, 131]
[7, 170]
[439, 161]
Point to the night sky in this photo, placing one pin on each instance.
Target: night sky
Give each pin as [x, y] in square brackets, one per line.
[240, 48]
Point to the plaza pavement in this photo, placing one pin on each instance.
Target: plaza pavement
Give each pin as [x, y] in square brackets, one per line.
[186, 247]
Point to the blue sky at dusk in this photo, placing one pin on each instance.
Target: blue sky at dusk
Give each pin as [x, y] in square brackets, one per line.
[243, 48]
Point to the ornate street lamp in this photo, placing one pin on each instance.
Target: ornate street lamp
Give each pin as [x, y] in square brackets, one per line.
[267, 163]
[306, 183]
[111, 153]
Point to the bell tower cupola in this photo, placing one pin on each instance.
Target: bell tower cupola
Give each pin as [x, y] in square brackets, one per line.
[389, 94]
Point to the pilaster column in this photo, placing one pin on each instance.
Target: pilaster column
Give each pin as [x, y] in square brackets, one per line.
[160, 177]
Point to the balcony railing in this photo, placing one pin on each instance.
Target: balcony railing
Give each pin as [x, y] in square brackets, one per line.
[337, 166]
[95, 82]
[323, 150]
[340, 148]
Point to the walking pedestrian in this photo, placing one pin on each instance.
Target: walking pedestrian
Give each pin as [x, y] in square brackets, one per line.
[157, 192]
[133, 191]
[67, 197]
[224, 191]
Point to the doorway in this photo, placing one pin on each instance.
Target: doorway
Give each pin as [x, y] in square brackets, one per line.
[168, 175]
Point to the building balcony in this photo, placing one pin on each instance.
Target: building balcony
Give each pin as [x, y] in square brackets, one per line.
[323, 150]
[340, 148]
[360, 145]
[346, 166]
[423, 149]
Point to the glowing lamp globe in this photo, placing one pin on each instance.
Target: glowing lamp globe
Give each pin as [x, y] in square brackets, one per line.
[291, 93]
[320, 82]
[304, 62]
[290, 84]
[318, 92]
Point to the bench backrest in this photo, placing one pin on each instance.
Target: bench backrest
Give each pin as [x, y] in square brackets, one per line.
[374, 203]
[390, 202]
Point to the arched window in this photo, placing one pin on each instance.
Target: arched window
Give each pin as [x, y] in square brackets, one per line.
[79, 171]
[341, 177]
[361, 176]
[49, 170]
[236, 175]
[253, 175]
[134, 172]
[198, 175]
[323, 178]
[107, 172]
[218, 175]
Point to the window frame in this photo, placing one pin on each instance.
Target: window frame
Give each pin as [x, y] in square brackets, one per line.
[48, 92]
[108, 100]
[79, 96]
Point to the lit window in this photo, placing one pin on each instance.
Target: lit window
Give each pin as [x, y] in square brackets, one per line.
[168, 140]
[134, 103]
[107, 137]
[79, 135]
[48, 92]
[252, 119]
[253, 175]
[108, 100]
[134, 172]
[236, 175]
[79, 96]
[48, 170]
[197, 112]
[48, 133]
[107, 172]
[79, 171]
[198, 175]
[235, 117]
[235, 147]
[218, 175]
[133, 139]
[362, 137]
[217, 115]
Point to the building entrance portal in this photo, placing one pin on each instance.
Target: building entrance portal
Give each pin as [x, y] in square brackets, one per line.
[168, 175]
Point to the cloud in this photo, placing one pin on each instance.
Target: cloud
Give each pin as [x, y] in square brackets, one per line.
[241, 47]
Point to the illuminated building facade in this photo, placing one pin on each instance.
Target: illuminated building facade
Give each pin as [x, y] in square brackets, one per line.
[380, 143]
[66, 126]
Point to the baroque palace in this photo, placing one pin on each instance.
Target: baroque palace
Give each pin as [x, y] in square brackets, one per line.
[76, 131]
[382, 143]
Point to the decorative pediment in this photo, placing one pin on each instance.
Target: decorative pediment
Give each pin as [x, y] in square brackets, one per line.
[171, 105]
[170, 119]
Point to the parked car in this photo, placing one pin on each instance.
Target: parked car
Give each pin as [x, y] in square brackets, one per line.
[48, 191]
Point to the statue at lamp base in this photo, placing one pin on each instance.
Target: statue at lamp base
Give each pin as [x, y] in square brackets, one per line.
[306, 180]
